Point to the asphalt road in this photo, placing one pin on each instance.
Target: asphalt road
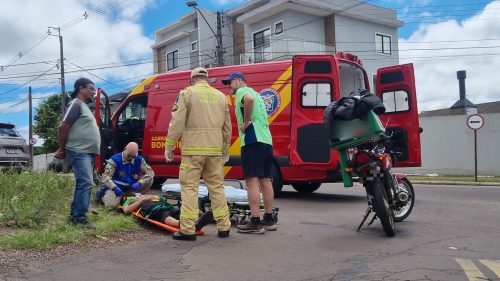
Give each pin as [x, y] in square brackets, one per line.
[452, 234]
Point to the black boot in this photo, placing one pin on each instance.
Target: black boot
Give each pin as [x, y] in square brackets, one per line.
[223, 233]
[179, 236]
[205, 219]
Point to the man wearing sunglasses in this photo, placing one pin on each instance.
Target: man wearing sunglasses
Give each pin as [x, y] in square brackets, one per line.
[79, 142]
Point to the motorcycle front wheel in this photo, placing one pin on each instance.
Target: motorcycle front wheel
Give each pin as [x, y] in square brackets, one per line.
[382, 208]
[403, 212]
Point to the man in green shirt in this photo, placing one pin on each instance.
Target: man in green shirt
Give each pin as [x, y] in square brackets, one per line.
[256, 152]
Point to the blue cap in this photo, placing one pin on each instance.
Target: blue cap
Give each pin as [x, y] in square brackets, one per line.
[234, 75]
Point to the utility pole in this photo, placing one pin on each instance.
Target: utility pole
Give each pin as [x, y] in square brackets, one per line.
[218, 35]
[30, 132]
[220, 59]
[61, 59]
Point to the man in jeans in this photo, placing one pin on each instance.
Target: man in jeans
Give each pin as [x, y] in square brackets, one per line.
[256, 152]
[79, 142]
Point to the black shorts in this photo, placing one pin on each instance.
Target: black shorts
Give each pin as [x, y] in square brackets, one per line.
[257, 160]
[161, 215]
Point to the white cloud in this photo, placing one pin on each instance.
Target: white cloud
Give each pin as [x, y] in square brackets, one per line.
[110, 37]
[437, 85]
[21, 104]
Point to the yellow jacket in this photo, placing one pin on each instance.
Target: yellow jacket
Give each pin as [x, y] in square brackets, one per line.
[201, 117]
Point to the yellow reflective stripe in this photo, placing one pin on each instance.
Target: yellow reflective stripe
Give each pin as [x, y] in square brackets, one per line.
[140, 88]
[189, 214]
[202, 153]
[203, 148]
[183, 166]
[170, 141]
[221, 213]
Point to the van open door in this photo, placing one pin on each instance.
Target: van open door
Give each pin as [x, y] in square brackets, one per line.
[313, 89]
[395, 85]
[102, 114]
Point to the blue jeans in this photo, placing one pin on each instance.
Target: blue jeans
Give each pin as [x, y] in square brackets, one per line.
[82, 164]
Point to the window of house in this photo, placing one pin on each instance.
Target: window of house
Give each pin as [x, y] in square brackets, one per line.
[194, 46]
[262, 45]
[316, 94]
[173, 60]
[383, 44]
[396, 101]
[278, 28]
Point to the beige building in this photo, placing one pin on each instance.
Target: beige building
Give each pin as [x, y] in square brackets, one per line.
[265, 30]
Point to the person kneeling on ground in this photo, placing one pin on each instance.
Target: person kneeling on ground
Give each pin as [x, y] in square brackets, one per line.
[125, 173]
[155, 207]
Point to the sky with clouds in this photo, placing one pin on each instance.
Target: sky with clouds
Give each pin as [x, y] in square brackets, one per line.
[113, 38]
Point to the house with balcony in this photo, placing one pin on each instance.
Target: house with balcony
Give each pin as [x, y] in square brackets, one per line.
[266, 30]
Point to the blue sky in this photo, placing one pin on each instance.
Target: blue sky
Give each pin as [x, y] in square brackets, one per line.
[117, 32]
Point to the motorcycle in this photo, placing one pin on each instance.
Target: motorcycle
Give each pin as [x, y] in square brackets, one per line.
[390, 195]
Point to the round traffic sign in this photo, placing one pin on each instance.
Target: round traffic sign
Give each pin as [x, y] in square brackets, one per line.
[33, 141]
[475, 122]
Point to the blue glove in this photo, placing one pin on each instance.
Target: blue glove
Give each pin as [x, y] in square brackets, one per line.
[118, 191]
[136, 186]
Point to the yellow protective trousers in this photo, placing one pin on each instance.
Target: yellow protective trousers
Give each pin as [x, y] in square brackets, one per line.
[210, 168]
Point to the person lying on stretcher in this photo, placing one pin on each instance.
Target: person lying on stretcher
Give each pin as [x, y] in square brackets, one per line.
[155, 207]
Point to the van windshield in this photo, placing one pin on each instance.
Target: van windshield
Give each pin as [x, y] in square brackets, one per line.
[351, 78]
[9, 132]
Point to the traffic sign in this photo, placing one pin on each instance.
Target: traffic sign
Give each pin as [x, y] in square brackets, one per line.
[33, 141]
[475, 122]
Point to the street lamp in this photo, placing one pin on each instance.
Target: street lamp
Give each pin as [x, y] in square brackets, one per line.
[218, 38]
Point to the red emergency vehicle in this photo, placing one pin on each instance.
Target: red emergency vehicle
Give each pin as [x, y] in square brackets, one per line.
[295, 93]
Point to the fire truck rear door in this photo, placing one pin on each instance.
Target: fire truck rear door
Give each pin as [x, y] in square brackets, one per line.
[312, 91]
[395, 85]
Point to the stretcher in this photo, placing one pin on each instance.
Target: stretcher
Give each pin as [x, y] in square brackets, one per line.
[237, 201]
[169, 228]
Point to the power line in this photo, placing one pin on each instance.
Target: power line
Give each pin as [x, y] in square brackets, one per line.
[73, 22]
[9, 91]
[97, 76]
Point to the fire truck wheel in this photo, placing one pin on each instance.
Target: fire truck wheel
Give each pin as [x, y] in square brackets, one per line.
[158, 182]
[306, 187]
[276, 180]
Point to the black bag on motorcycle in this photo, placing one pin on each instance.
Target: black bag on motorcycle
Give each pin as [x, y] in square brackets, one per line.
[366, 101]
[340, 110]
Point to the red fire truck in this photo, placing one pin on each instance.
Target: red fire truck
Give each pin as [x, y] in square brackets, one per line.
[295, 93]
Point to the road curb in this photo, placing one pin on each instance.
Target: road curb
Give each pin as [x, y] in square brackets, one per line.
[455, 183]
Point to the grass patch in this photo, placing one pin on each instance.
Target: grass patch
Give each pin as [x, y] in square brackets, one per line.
[465, 179]
[34, 209]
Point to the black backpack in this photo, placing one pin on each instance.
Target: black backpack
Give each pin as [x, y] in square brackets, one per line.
[154, 206]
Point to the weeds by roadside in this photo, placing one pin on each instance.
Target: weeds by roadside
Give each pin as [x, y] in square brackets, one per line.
[34, 209]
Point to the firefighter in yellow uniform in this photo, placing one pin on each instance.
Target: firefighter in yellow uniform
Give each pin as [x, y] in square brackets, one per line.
[201, 117]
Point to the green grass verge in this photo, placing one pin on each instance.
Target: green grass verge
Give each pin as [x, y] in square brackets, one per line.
[455, 179]
[34, 209]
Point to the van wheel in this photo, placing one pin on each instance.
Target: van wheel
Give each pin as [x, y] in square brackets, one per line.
[158, 182]
[276, 180]
[306, 187]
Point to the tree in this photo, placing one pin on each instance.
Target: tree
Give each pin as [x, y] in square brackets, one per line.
[47, 119]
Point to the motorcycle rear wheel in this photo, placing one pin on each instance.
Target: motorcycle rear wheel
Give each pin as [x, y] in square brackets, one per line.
[402, 213]
[382, 208]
